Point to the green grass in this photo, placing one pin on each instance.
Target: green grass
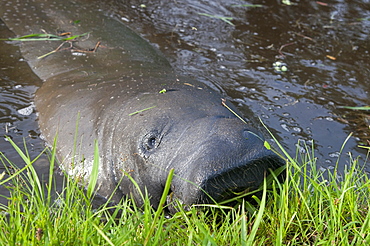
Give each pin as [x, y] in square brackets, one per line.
[46, 37]
[223, 18]
[310, 208]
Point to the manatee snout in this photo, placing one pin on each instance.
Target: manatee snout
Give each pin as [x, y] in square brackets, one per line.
[235, 181]
[231, 160]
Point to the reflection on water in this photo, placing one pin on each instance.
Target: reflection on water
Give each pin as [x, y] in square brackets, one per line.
[17, 116]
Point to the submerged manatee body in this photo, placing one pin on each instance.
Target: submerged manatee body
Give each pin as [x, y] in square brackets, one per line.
[186, 128]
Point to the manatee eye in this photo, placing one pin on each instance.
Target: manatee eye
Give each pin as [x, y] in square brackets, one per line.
[151, 143]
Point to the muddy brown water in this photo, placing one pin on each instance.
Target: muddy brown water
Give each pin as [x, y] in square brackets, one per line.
[324, 46]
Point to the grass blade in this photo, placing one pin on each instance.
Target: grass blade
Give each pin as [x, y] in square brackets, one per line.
[94, 172]
[161, 205]
[258, 219]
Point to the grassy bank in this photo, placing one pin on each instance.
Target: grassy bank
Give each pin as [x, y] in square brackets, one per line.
[309, 208]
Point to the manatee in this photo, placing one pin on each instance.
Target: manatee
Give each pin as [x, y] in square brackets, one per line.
[112, 95]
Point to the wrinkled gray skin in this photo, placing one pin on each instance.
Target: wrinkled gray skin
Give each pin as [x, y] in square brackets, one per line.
[188, 129]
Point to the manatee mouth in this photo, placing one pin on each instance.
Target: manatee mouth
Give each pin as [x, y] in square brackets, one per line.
[227, 185]
[237, 181]
[224, 185]
[215, 190]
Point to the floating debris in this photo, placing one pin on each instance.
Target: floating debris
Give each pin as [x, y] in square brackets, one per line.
[27, 110]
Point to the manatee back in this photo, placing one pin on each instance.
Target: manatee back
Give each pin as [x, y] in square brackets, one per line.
[119, 44]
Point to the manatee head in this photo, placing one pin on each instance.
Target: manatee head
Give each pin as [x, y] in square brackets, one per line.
[213, 153]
